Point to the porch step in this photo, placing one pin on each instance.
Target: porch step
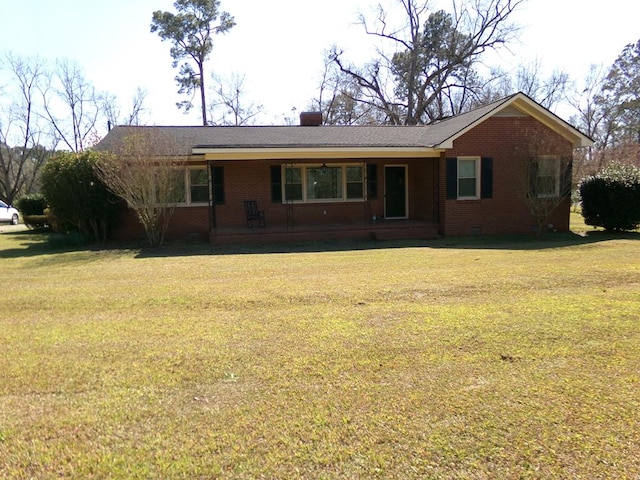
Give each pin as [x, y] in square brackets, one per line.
[409, 232]
[381, 232]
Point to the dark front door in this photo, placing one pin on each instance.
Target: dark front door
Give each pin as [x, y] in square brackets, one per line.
[395, 191]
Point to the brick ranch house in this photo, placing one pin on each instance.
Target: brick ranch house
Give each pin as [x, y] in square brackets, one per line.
[466, 175]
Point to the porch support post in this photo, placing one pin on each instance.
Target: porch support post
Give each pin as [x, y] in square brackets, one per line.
[212, 200]
[287, 201]
[366, 204]
[438, 213]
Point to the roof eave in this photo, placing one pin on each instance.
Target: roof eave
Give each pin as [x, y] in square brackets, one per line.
[551, 120]
[528, 106]
[320, 152]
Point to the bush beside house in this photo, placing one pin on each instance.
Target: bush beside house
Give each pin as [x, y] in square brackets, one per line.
[611, 198]
[78, 200]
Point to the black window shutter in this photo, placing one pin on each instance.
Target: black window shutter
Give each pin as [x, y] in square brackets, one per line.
[217, 179]
[533, 178]
[566, 174]
[452, 178]
[276, 184]
[486, 177]
[372, 180]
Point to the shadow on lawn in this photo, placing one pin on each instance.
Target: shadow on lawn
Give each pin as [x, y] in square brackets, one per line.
[502, 242]
[33, 243]
[528, 242]
[38, 242]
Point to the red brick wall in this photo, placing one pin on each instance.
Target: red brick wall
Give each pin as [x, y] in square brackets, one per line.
[252, 180]
[422, 188]
[243, 181]
[511, 142]
[186, 223]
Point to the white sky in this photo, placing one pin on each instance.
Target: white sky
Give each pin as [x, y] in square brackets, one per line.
[278, 44]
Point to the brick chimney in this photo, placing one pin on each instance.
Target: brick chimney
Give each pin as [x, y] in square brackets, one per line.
[310, 119]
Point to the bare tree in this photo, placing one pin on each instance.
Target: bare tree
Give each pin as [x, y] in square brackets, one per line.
[146, 170]
[591, 116]
[72, 106]
[433, 56]
[111, 109]
[595, 118]
[230, 106]
[22, 149]
[543, 163]
[548, 91]
[290, 119]
[338, 96]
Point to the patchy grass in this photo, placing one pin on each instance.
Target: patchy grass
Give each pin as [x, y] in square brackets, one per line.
[466, 359]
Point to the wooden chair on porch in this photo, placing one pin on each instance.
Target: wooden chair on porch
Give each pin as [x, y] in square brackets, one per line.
[253, 214]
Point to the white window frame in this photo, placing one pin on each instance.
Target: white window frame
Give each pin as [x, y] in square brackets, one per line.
[186, 178]
[477, 164]
[188, 184]
[556, 189]
[305, 195]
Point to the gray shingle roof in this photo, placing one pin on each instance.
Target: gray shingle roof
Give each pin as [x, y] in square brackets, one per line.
[327, 136]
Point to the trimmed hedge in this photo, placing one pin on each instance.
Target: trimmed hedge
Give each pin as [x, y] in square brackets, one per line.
[611, 198]
[32, 208]
[33, 204]
[35, 222]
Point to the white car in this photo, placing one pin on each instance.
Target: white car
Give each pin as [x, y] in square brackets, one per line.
[8, 213]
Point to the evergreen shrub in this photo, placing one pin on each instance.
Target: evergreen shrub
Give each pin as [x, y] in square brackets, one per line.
[611, 198]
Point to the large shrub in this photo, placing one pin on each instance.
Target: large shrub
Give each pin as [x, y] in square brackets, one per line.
[611, 198]
[32, 208]
[78, 199]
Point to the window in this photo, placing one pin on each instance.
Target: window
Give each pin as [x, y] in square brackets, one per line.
[198, 185]
[322, 183]
[293, 184]
[172, 189]
[191, 186]
[355, 184]
[468, 177]
[547, 177]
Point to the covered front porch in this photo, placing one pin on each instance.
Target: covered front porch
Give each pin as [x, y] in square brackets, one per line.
[331, 199]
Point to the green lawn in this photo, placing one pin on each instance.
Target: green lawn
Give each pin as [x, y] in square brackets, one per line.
[510, 358]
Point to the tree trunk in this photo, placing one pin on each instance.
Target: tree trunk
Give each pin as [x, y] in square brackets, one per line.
[203, 103]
